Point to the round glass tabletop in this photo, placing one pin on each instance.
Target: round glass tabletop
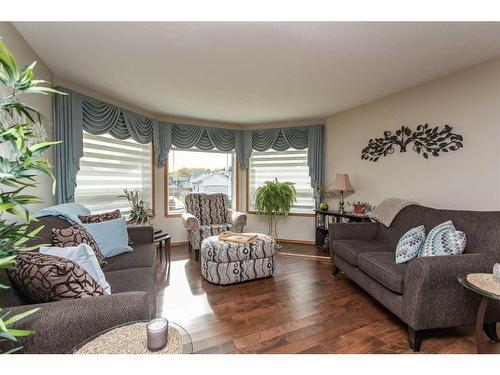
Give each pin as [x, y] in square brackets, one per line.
[116, 340]
[463, 280]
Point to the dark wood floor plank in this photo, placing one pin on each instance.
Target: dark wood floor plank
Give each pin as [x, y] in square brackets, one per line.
[302, 309]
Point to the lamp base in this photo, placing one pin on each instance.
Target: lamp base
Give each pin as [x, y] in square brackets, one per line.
[341, 203]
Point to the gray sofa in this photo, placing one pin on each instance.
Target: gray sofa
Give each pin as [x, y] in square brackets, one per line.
[424, 293]
[62, 325]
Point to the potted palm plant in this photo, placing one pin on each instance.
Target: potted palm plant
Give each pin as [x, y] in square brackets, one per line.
[22, 160]
[275, 199]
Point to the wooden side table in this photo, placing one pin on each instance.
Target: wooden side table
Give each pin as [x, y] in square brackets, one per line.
[486, 335]
[163, 239]
[323, 219]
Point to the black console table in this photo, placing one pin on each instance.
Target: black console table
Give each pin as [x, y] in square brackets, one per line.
[323, 218]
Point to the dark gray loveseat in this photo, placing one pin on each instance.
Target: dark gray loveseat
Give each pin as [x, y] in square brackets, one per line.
[423, 293]
[60, 326]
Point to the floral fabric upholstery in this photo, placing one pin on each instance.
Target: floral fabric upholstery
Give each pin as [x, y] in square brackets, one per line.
[212, 211]
[225, 263]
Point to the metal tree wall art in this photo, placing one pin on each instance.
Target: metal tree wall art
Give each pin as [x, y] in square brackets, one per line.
[425, 141]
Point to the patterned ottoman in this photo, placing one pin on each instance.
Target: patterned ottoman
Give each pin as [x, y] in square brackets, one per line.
[226, 263]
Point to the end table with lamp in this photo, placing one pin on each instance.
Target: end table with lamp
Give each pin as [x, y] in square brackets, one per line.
[342, 185]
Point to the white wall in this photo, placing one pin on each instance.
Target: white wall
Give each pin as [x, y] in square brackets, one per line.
[25, 55]
[466, 179]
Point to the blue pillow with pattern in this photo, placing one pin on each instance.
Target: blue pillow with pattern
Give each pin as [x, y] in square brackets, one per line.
[409, 245]
[444, 239]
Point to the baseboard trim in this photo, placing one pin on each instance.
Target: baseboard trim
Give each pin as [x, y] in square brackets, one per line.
[282, 240]
[181, 243]
[297, 242]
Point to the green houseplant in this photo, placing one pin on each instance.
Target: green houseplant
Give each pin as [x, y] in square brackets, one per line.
[22, 160]
[274, 199]
[140, 212]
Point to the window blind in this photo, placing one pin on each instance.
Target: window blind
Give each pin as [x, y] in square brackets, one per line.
[289, 165]
[108, 166]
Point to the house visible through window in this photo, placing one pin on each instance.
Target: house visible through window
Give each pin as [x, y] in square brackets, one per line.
[107, 167]
[289, 165]
[200, 172]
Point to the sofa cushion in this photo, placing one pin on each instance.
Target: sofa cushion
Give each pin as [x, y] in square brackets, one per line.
[443, 239]
[47, 278]
[99, 218]
[132, 280]
[383, 268]
[74, 236]
[142, 256]
[410, 244]
[105, 216]
[349, 250]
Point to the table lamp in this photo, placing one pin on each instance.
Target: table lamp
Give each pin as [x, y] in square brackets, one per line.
[342, 184]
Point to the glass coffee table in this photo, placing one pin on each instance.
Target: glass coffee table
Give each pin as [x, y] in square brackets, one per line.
[130, 338]
[486, 334]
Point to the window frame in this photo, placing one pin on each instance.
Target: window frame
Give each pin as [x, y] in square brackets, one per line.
[165, 181]
[153, 178]
[253, 212]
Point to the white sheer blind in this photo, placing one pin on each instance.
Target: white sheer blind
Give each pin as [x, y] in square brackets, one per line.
[289, 165]
[108, 166]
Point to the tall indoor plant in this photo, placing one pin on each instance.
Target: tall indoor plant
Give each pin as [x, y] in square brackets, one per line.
[22, 160]
[274, 199]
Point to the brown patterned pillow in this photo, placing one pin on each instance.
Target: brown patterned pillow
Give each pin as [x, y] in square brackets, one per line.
[46, 278]
[74, 236]
[99, 218]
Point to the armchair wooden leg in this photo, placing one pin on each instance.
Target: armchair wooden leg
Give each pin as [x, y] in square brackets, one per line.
[415, 338]
[491, 331]
[197, 255]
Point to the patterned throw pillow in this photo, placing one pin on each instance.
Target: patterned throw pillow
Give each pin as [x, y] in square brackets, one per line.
[46, 278]
[410, 244]
[99, 218]
[444, 240]
[74, 236]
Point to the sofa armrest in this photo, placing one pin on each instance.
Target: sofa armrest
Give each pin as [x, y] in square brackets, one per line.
[237, 218]
[140, 233]
[60, 326]
[190, 221]
[433, 297]
[353, 231]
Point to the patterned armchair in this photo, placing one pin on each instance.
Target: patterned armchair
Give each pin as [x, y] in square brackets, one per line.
[209, 215]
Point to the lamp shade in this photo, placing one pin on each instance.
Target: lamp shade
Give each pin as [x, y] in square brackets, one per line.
[342, 182]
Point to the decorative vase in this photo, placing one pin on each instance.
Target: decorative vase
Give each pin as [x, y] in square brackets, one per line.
[323, 206]
[359, 209]
[496, 272]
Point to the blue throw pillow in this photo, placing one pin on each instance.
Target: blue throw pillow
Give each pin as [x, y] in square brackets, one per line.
[410, 244]
[111, 236]
[444, 239]
[85, 257]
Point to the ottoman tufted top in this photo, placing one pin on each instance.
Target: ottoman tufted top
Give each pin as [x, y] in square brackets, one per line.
[225, 252]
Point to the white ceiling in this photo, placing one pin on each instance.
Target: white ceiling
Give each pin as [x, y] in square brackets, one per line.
[256, 72]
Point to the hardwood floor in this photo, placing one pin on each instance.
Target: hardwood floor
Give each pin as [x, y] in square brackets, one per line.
[302, 309]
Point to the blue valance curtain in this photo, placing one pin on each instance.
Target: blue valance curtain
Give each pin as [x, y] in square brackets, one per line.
[189, 136]
[75, 113]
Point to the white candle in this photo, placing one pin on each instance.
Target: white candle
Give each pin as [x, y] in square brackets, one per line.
[157, 334]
